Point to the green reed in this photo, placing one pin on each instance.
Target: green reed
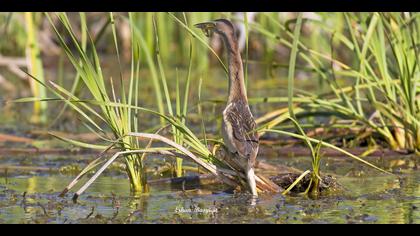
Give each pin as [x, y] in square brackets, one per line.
[313, 187]
[119, 120]
[381, 66]
[35, 67]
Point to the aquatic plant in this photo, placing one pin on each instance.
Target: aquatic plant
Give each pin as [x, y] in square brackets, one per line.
[120, 120]
[181, 113]
[389, 40]
[382, 69]
[313, 187]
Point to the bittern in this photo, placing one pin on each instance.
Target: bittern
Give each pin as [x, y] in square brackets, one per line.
[238, 127]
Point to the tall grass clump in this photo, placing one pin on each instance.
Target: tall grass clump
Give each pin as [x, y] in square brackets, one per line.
[145, 50]
[180, 110]
[375, 85]
[98, 112]
[313, 187]
[389, 70]
[160, 81]
[386, 74]
[315, 179]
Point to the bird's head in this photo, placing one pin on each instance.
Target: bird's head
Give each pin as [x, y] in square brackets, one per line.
[222, 27]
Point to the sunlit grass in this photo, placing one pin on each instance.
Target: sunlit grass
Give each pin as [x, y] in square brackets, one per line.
[383, 70]
[313, 187]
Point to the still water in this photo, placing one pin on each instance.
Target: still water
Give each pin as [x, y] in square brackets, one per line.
[367, 197]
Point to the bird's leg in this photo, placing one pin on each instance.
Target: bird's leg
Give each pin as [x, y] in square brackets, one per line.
[251, 181]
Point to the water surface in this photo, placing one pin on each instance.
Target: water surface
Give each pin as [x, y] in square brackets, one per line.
[368, 197]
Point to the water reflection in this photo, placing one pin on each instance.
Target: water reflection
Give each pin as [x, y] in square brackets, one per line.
[374, 198]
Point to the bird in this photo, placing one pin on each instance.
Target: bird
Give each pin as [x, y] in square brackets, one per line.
[238, 126]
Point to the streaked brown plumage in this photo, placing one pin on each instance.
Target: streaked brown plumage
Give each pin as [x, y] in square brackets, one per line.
[238, 123]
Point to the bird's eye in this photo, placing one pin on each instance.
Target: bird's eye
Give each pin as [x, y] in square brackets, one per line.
[207, 32]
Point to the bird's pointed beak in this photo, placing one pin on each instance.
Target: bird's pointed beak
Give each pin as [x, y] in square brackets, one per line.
[207, 27]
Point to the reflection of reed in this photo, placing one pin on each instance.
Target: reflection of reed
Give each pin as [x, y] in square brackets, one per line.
[31, 186]
[138, 209]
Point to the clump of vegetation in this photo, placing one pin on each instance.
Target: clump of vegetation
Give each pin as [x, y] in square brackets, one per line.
[386, 98]
[311, 186]
[119, 119]
[314, 184]
[381, 65]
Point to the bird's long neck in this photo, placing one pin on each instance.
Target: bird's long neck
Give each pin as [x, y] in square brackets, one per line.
[237, 90]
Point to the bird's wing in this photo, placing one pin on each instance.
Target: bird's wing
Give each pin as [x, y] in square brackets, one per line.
[245, 138]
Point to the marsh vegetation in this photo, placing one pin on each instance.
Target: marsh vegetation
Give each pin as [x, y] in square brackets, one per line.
[91, 99]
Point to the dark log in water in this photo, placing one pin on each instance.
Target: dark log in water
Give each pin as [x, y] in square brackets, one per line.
[187, 182]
